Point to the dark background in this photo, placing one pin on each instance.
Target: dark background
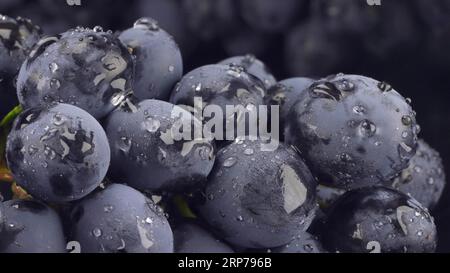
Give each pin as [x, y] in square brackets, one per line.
[403, 42]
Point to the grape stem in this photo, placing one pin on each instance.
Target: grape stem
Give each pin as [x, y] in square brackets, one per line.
[183, 207]
[6, 176]
[4, 129]
[19, 192]
[10, 116]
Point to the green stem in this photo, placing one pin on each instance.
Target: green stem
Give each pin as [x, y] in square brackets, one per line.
[4, 129]
[11, 116]
[183, 207]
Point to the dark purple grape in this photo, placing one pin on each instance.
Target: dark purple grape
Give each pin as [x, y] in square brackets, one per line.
[57, 153]
[119, 219]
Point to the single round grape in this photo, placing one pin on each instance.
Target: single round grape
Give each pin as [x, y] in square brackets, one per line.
[424, 179]
[220, 86]
[353, 131]
[258, 197]
[57, 153]
[17, 37]
[379, 219]
[90, 69]
[253, 66]
[119, 219]
[159, 65]
[171, 18]
[286, 93]
[30, 227]
[154, 147]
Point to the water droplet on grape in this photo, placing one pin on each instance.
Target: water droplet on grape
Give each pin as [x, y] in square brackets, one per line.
[53, 67]
[367, 128]
[108, 208]
[229, 162]
[151, 125]
[97, 232]
[55, 84]
[249, 151]
[406, 120]
[98, 29]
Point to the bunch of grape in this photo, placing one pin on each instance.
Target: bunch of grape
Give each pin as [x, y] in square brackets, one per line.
[92, 154]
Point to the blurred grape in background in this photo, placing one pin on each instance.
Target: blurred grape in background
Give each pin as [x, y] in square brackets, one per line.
[403, 42]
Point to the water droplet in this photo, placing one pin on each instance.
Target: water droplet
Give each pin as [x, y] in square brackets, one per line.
[55, 84]
[249, 151]
[417, 169]
[118, 98]
[205, 152]
[408, 100]
[430, 180]
[32, 150]
[419, 233]
[122, 245]
[53, 67]
[384, 86]
[148, 220]
[294, 192]
[229, 162]
[97, 232]
[344, 157]
[406, 120]
[308, 248]
[240, 218]
[405, 134]
[148, 23]
[418, 128]
[325, 90]
[125, 144]
[98, 29]
[151, 125]
[108, 208]
[145, 241]
[235, 70]
[345, 85]
[358, 109]
[198, 87]
[13, 227]
[171, 68]
[58, 120]
[49, 153]
[367, 128]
